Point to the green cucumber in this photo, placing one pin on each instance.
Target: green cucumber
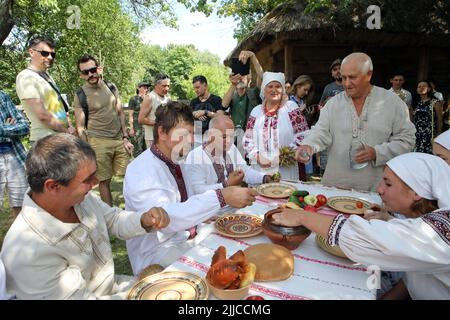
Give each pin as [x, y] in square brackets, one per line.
[300, 193]
[294, 199]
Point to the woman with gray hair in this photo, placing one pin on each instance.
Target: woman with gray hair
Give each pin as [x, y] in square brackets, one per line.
[273, 129]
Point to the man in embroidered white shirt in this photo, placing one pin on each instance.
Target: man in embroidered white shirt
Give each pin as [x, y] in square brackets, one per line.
[58, 247]
[218, 163]
[156, 178]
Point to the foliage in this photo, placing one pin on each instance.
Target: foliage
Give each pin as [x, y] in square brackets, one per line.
[427, 16]
[217, 78]
[114, 44]
[182, 63]
[247, 12]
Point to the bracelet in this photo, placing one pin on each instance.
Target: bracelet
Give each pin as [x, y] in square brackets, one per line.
[124, 137]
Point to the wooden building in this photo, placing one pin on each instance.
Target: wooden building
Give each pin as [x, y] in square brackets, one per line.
[287, 40]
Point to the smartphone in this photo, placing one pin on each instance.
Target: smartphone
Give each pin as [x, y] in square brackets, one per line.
[237, 67]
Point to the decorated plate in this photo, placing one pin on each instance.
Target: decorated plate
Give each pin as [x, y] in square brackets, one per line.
[275, 190]
[334, 250]
[239, 225]
[348, 205]
[172, 285]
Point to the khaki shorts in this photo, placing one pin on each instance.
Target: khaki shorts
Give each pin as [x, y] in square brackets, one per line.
[112, 158]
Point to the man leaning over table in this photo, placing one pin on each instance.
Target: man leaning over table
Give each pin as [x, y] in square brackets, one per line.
[58, 247]
[155, 178]
[363, 112]
[218, 163]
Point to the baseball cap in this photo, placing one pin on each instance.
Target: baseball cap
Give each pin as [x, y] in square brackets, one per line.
[335, 62]
[143, 84]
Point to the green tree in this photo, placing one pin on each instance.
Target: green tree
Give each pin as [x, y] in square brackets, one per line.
[425, 16]
[217, 76]
[116, 45]
[143, 12]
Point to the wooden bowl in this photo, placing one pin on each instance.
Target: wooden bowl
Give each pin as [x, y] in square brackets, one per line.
[236, 294]
[288, 237]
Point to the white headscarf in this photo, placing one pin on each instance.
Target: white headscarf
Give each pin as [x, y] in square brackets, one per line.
[427, 175]
[268, 77]
[444, 139]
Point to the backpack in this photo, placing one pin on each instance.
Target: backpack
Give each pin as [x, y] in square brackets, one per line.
[83, 100]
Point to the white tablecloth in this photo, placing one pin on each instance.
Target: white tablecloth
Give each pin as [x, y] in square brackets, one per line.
[317, 274]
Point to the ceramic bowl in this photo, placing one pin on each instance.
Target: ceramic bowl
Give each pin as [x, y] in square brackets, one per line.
[288, 237]
[222, 294]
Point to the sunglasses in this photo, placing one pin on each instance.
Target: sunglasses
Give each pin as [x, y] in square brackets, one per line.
[46, 53]
[91, 70]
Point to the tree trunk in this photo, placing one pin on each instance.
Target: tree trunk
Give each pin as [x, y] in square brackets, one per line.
[6, 19]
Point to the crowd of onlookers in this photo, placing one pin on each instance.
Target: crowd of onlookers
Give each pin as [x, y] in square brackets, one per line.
[191, 162]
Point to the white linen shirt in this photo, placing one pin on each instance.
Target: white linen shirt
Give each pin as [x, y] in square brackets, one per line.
[149, 183]
[48, 259]
[383, 124]
[201, 176]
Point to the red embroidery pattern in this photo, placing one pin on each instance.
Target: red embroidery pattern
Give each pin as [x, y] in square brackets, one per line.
[174, 169]
[440, 222]
[298, 123]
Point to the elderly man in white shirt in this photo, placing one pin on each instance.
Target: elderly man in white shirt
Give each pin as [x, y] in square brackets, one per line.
[371, 119]
[58, 247]
[218, 163]
[155, 178]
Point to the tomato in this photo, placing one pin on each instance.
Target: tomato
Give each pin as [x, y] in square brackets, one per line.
[254, 298]
[301, 199]
[310, 208]
[321, 200]
[359, 204]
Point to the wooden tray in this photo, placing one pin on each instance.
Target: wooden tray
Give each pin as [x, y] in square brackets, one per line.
[334, 250]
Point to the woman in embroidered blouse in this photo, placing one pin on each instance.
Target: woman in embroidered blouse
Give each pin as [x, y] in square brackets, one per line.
[416, 185]
[427, 118]
[274, 124]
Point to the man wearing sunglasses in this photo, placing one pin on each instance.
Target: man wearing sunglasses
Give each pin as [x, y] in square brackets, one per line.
[39, 93]
[100, 120]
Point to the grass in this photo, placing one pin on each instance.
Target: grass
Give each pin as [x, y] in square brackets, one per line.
[121, 262]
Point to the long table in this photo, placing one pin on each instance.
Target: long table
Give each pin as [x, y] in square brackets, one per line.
[317, 274]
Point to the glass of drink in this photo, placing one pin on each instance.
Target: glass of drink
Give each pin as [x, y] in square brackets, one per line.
[356, 147]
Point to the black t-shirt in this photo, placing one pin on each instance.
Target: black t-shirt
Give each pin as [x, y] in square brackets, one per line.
[213, 104]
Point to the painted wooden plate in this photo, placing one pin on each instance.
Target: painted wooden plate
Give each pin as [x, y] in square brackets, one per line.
[173, 285]
[348, 205]
[275, 190]
[334, 250]
[239, 225]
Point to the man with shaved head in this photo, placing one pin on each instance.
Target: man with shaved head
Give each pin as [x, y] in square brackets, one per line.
[218, 163]
[372, 118]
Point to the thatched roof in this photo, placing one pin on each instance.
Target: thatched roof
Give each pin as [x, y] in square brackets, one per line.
[289, 22]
